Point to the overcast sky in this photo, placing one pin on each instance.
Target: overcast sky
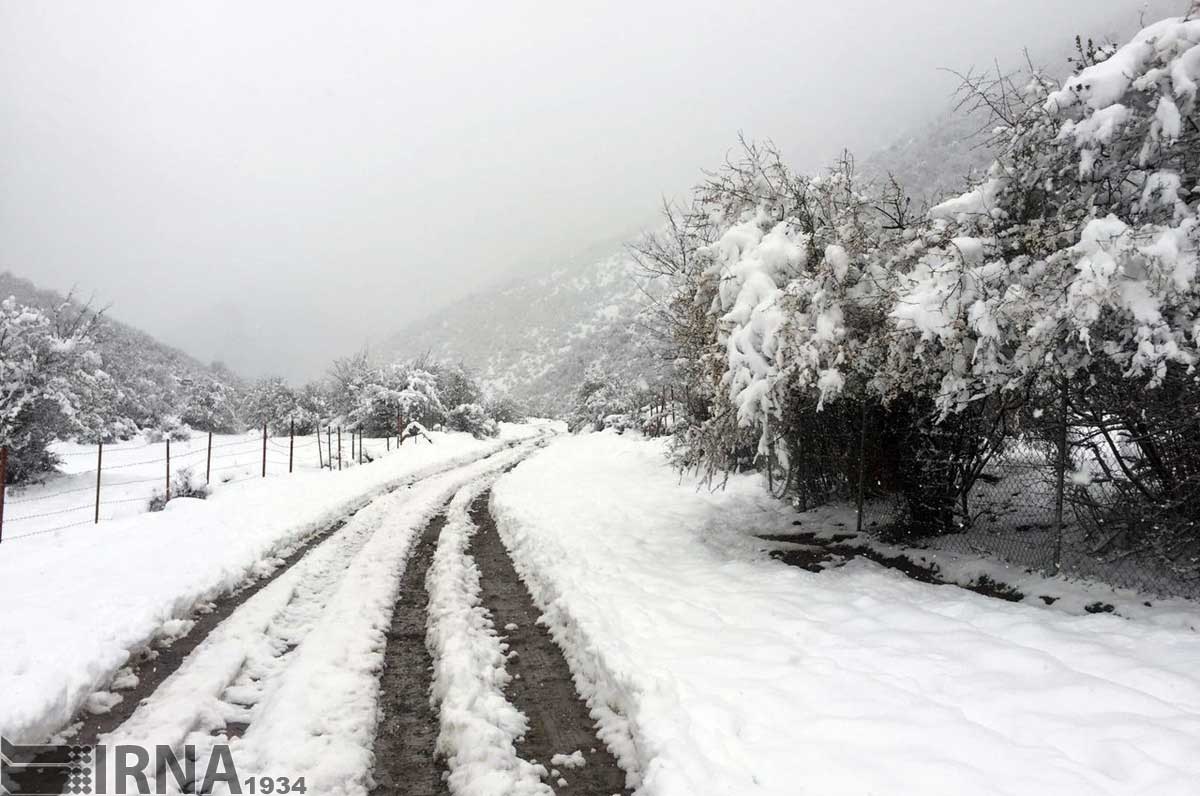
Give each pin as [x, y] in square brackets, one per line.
[274, 184]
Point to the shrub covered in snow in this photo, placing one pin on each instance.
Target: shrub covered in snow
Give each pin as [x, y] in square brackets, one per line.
[49, 371]
[185, 484]
[804, 303]
[473, 419]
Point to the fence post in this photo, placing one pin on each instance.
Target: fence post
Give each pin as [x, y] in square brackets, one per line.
[320, 456]
[208, 461]
[862, 469]
[1061, 477]
[3, 479]
[328, 446]
[99, 467]
[167, 491]
[339, 447]
[360, 446]
[291, 444]
[264, 468]
[399, 430]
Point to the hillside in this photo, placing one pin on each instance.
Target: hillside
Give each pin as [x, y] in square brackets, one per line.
[155, 385]
[533, 338]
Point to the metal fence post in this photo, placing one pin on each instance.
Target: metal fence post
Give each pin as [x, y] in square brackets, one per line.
[208, 461]
[291, 444]
[99, 467]
[862, 469]
[3, 480]
[339, 447]
[167, 491]
[1061, 477]
[264, 467]
[320, 455]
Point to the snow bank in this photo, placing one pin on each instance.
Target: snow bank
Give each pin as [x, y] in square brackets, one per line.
[77, 602]
[714, 669]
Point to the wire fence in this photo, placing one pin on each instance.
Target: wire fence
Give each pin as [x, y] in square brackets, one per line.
[188, 470]
[1064, 495]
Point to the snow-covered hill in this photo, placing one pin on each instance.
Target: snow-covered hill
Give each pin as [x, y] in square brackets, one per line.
[533, 338]
[154, 385]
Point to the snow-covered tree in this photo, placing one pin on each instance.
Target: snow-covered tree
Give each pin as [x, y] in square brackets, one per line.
[802, 304]
[210, 404]
[48, 367]
[270, 401]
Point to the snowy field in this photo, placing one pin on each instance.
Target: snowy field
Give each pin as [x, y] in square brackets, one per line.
[78, 601]
[714, 669]
[135, 470]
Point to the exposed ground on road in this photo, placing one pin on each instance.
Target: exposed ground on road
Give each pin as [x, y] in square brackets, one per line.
[542, 687]
[408, 730]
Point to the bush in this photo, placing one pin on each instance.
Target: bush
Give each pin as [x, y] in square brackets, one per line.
[50, 373]
[184, 485]
[171, 428]
[503, 410]
[473, 419]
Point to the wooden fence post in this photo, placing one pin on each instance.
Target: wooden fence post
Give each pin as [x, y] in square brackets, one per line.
[99, 467]
[320, 457]
[291, 444]
[167, 491]
[329, 446]
[208, 461]
[339, 447]
[3, 479]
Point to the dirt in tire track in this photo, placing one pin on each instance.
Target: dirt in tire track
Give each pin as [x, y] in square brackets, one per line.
[405, 762]
[542, 687]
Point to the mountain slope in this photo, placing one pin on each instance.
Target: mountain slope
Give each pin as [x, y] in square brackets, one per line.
[155, 383]
[533, 338]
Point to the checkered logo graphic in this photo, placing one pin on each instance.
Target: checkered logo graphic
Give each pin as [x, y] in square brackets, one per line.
[44, 769]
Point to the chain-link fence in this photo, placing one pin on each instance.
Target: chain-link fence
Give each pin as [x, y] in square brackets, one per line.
[1072, 493]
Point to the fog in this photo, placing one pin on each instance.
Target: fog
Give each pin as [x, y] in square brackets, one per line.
[275, 184]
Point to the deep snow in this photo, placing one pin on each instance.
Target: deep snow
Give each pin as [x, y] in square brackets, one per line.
[716, 670]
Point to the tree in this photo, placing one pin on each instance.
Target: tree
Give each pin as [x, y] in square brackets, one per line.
[269, 401]
[48, 367]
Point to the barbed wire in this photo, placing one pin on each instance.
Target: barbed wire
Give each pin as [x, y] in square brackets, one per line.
[280, 453]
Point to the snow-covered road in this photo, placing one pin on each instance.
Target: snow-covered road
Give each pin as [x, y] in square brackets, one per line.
[710, 667]
[75, 606]
[299, 662]
[716, 670]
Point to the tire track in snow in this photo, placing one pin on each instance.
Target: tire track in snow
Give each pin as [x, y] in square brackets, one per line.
[406, 738]
[510, 719]
[236, 682]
